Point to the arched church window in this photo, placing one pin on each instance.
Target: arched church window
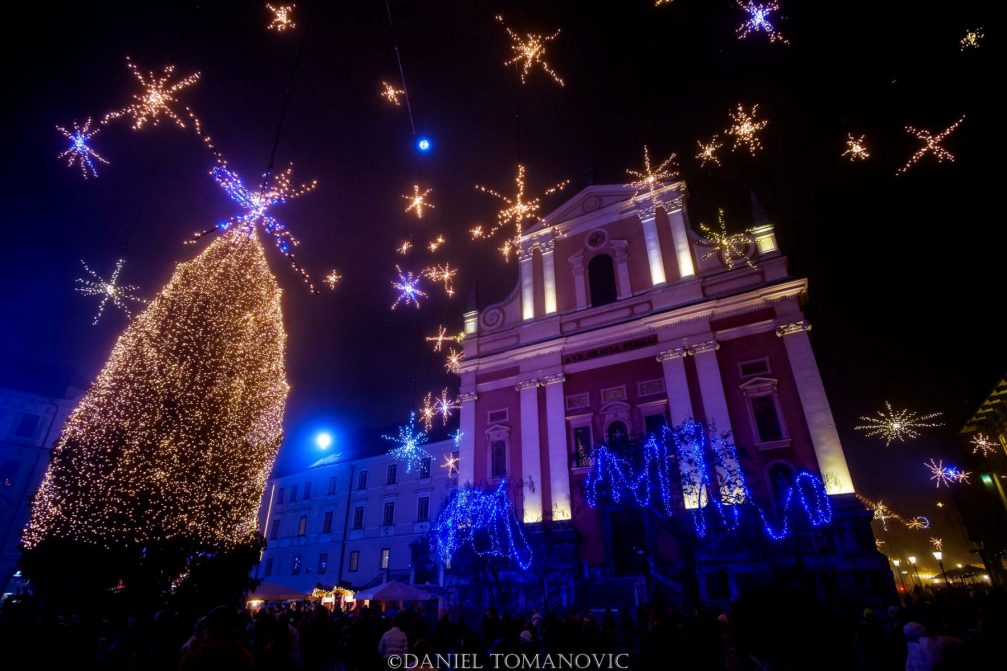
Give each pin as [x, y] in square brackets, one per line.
[601, 279]
[617, 433]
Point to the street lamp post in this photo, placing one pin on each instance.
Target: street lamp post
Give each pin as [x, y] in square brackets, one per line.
[912, 560]
[939, 556]
[896, 562]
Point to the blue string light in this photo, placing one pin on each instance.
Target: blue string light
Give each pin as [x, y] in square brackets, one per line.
[615, 476]
[409, 450]
[484, 521]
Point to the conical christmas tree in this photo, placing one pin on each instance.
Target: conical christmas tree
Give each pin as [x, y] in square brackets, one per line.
[173, 443]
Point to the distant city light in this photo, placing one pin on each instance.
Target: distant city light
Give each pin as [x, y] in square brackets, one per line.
[323, 440]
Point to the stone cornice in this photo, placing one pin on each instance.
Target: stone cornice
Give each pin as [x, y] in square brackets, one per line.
[527, 384]
[708, 346]
[553, 379]
[669, 354]
[466, 396]
[793, 327]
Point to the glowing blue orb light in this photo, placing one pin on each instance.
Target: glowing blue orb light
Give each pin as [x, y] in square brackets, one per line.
[424, 145]
[323, 440]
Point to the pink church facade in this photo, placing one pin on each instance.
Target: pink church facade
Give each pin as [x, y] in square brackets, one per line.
[625, 319]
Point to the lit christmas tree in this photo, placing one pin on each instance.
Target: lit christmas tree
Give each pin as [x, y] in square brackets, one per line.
[171, 447]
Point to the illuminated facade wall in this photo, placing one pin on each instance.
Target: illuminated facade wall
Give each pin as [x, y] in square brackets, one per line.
[622, 321]
[333, 522]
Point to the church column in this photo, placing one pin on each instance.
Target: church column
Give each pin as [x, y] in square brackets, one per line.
[621, 268]
[579, 290]
[548, 250]
[821, 424]
[531, 463]
[466, 450]
[654, 257]
[680, 238]
[711, 390]
[680, 406]
[527, 284]
[559, 460]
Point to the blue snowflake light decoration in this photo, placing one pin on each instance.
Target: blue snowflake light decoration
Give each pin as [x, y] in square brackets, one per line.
[484, 521]
[409, 290]
[275, 190]
[409, 440]
[760, 20]
[79, 150]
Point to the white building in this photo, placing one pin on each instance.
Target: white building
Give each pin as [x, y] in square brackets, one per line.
[354, 521]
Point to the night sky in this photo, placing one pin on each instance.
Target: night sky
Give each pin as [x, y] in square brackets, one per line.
[905, 272]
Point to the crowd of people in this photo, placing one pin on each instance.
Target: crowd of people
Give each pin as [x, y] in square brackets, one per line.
[931, 632]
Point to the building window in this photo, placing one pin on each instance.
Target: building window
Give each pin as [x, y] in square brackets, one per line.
[27, 425]
[601, 280]
[498, 458]
[358, 518]
[362, 480]
[302, 525]
[453, 468]
[269, 567]
[391, 474]
[332, 485]
[497, 416]
[274, 533]
[388, 517]
[327, 522]
[293, 493]
[279, 495]
[757, 367]
[323, 562]
[423, 509]
[307, 490]
[654, 424]
[767, 421]
[386, 556]
[354, 561]
[295, 568]
[582, 446]
[8, 472]
[617, 433]
[424, 468]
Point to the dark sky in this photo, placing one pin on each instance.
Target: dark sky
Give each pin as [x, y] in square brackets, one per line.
[905, 272]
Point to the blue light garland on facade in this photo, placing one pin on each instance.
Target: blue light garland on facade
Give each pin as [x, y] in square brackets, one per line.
[616, 477]
[484, 521]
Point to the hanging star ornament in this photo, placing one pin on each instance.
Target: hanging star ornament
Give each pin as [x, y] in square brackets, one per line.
[745, 129]
[451, 463]
[856, 148]
[730, 247]
[110, 291]
[931, 145]
[427, 411]
[444, 406]
[418, 201]
[646, 181]
[529, 51]
[882, 514]
[408, 288]
[972, 39]
[79, 150]
[444, 274]
[404, 248]
[982, 444]
[918, 522]
[392, 94]
[443, 337]
[332, 279]
[453, 361]
[708, 152]
[156, 98]
[256, 203]
[938, 543]
[896, 425]
[436, 243]
[760, 20]
[282, 19]
[409, 441]
[517, 212]
[945, 475]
